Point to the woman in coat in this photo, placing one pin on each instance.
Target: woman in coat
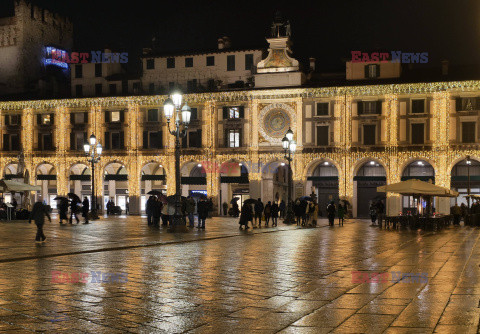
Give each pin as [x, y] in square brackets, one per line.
[63, 210]
[246, 215]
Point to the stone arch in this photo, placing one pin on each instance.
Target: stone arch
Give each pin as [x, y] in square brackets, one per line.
[369, 173]
[115, 179]
[46, 178]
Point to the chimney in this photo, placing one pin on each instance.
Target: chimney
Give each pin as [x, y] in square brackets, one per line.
[221, 44]
[444, 67]
[226, 41]
[312, 64]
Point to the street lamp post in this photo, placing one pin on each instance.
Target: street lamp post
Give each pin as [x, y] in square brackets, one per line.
[289, 145]
[93, 151]
[172, 108]
[469, 162]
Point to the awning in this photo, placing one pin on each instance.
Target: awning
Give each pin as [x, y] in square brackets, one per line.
[9, 185]
[414, 187]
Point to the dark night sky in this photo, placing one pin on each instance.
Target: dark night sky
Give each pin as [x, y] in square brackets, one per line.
[327, 30]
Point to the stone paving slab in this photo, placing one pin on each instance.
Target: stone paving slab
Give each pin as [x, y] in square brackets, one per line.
[283, 280]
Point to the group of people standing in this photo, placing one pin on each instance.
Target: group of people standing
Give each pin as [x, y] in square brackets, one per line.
[157, 209]
[74, 205]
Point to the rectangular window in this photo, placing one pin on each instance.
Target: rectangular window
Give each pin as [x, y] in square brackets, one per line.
[79, 118]
[467, 103]
[322, 135]
[322, 109]
[113, 89]
[192, 139]
[194, 115]
[369, 107]
[32, 12]
[418, 133]
[115, 116]
[249, 62]
[98, 70]
[468, 132]
[211, 61]
[15, 142]
[98, 89]
[78, 71]
[136, 87]
[418, 106]
[231, 63]
[234, 138]
[115, 140]
[79, 140]
[46, 119]
[372, 71]
[170, 62]
[14, 120]
[154, 139]
[369, 134]
[47, 142]
[189, 62]
[171, 85]
[152, 115]
[150, 64]
[234, 112]
[151, 88]
[191, 84]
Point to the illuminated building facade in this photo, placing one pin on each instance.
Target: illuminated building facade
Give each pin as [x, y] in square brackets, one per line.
[350, 140]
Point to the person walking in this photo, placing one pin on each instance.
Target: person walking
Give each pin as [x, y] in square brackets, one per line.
[246, 215]
[304, 212]
[340, 213]
[74, 209]
[267, 212]
[63, 210]
[157, 206]
[165, 216]
[258, 208]
[281, 208]
[39, 211]
[297, 209]
[202, 209]
[380, 212]
[190, 209]
[85, 209]
[457, 213]
[149, 209]
[274, 211]
[373, 213]
[235, 209]
[331, 213]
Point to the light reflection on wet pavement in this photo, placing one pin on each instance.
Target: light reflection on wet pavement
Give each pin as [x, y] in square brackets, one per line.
[223, 280]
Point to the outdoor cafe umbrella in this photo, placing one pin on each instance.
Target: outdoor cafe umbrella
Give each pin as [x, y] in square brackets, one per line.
[415, 187]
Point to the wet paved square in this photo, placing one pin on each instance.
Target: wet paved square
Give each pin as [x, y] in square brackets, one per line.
[223, 280]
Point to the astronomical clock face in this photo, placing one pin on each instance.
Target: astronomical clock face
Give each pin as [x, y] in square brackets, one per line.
[276, 123]
[275, 120]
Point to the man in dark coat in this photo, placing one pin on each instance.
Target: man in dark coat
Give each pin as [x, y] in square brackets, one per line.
[202, 209]
[85, 209]
[274, 211]
[331, 210]
[157, 211]
[39, 211]
[258, 212]
[74, 209]
[149, 209]
[63, 209]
